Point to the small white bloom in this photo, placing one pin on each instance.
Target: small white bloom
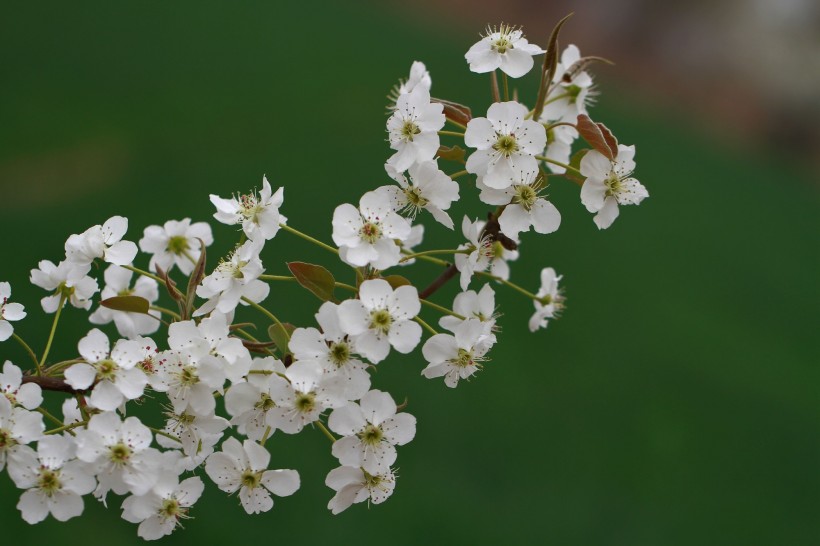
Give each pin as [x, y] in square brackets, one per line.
[29, 395]
[354, 485]
[455, 357]
[413, 128]
[102, 242]
[429, 188]
[175, 243]
[571, 90]
[559, 146]
[67, 280]
[504, 47]
[474, 305]
[370, 432]
[244, 468]
[258, 214]
[8, 311]
[160, 510]
[248, 403]
[18, 427]
[525, 207]
[367, 235]
[506, 144]
[550, 301]
[609, 184]
[382, 317]
[233, 279]
[130, 325]
[303, 397]
[484, 253]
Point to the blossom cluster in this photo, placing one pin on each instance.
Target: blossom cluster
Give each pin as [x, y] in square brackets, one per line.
[314, 376]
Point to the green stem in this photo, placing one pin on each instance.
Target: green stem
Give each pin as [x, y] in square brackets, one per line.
[51, 370]
[25, 345]
[451, 133]
[277, 278]
[510, 284]
[51, 335]
[145, 274]
[506, 86]
[458, 174]
[549, 126]
[325, 430]
[557, 97]
[67, 427]
[166, 311]
[163, 433]
[457, 124]
[48, 416]
[564, 165]
[265, 436]
[441, 309]
[494, 86]
[433, 252]
[344, 286]
[308, 238]
[425, 325]
[266, 313]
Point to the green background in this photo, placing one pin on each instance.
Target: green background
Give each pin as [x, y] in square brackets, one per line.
[676, 401]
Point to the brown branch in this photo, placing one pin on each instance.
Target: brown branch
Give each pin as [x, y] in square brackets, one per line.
[51, 384]
[440, 281]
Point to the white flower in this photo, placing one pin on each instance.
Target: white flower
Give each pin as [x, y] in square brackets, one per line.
[8, 311]
[195, 433]
[130, 325]
[353, 485]
[234, 279]
[413, 128]
[382, 317]
[506, 144]
[367, 235]
[485, 253]
[244, 468]
[609, 184]
[211, 338]
[102, 242]
[571, 90]
[190, 380]
[419, 77]
[429, 188]
[68, 280]
[525, 207]
[370, 432]
[455, 357]
[559, 146]
[415, 239]
[159, 511]
[54, 481]
[550, 301]
[175, 243]
[18, 427]
[303, 397]
[120, 453]
[504, 48]
[258, 214]
[29, 395]
[474, 305]
[117, 375]
[248, 403]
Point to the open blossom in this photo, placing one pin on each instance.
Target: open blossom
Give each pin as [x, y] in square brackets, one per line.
[104, 242]
[367, 235]
[233, 279]
[161, 510]
[419, 77]
[69, 282]
[458, 356]
[244, 467]
[525, 207]
[258, 214]
[413, 128]
[474, 305]
[571, 89]
[118, 283]
[175, 243]
[28, 395]
[116, 374]
[354, 485]
[18, 427]
[559, 147]
[370, 431]
[609, 183]
[249, 402]
[485, 254]
[8, 311]
[382, 317]
[504, 48]
[53, 479]
[550, 300]
[506, 144]
[429, 188]
[303, 397]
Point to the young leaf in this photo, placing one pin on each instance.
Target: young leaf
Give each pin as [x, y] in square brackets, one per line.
[315, 278]
[575, 163]
[396, 280]
[456, 153]
[548, 68]
[131, 304]
[598, 136]
[455, 112]
[280, 336]
[195, 278]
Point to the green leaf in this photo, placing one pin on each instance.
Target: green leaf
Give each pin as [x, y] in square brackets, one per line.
[280, 336]
[575, 163]
[456, 153]
[396, 280]
[131, 304]
[315, 278]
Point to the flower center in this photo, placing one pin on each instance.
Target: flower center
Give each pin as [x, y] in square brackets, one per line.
[463, 359]
[65, 291]
[613, 184]
[496, 250]
[171, 509]
[380, 320]
[265, 402]
[502, 44]
[506, 145]
[370, 232]
[251, 479]
[409, 130]
[525, 196]
[187, 376]
[250, 207]
[177, 244]
[371, 435]
[119, 454]
[305, 402]
[106, 369]
[49, 481]
[6, 441]
[339, 353]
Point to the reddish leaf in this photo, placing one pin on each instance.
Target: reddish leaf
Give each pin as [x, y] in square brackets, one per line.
[549, 67]
[598, 136]
[131, 304]
[315, 278]
[455, 112]
[194, 279]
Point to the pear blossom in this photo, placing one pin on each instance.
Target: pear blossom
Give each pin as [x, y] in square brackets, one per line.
[193, 432]
[370, 431]
[419, 77]
[559, 146]
[175, 243]
[159, 511]
[382, 317]
[506, 144]
[104, 242]
[484, 254]
[458, 356]
[233, 279]
[28, 395]
[571, 89]
[367, 235]
[303, 397]
[118, 283]
[249, 402]
[474, 305]
[429, 188]
[504, 47]
[189, 382]
[8, 311]
[243, 467]
[413, 128]
[258, 214]
[525, 208]
[116, 373]
[69, 282]
[53, 479]
[354, 485]
[211, 337]
[550, 301]
[609, 183]
[18, 427]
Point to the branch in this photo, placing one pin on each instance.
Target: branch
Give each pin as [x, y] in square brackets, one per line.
[51, 384]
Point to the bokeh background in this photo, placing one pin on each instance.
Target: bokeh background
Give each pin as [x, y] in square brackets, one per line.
[678, 399]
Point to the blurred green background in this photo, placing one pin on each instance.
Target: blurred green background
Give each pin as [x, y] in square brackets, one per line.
[677, 400]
